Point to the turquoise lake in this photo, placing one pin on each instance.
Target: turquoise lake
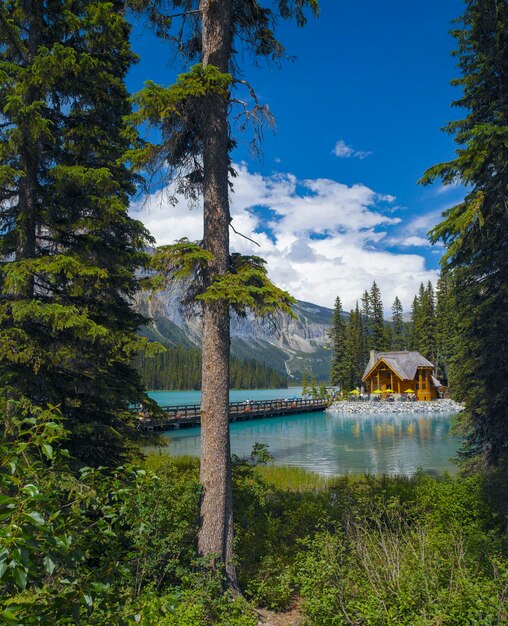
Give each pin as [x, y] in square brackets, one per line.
[327, 443]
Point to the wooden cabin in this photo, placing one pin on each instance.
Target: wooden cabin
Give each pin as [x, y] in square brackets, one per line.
[401, 372]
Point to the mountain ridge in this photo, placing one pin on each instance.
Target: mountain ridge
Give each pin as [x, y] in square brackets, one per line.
[290, 346]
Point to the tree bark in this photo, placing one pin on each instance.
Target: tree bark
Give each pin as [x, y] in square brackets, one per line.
[216, 531]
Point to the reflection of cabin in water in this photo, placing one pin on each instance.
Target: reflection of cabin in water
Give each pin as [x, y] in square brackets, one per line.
[401, 372]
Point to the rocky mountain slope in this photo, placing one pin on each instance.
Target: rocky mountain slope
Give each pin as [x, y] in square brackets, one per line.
[290, 346]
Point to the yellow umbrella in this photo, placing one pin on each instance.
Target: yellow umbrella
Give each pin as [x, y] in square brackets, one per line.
[377, 391]
[408, 391]
[355, 391]
[389, 391]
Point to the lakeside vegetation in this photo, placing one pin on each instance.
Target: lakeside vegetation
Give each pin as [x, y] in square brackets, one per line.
[93, 534]
[179, 368]
[104, 547]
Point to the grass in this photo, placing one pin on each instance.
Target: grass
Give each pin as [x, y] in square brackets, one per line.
[290, 478]
[154, 461]
[285, 477]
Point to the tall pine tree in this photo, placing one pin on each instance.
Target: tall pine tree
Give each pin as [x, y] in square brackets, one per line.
[196, 140]
[68, 248]
[448, 336]
[475, 231]
[366, 312]
[355, 355]
[378, 338]
[398, 331]
[427, 319]
[337, 334]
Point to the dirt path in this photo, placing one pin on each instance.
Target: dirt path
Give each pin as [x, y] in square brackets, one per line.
[269, 618]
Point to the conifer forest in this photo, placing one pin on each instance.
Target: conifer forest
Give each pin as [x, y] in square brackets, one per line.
[430, 329]
[100, 522]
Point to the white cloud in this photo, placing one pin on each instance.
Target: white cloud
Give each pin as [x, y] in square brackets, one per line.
[320, 238]
[444, 189]
[342, 150]
[412, 241]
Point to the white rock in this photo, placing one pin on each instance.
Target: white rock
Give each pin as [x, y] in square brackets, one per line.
[358, 406]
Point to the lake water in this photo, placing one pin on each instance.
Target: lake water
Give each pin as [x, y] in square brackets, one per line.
[331, 444]
[170, 398]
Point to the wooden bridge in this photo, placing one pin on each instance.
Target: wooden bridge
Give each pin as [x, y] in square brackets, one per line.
[188, 415]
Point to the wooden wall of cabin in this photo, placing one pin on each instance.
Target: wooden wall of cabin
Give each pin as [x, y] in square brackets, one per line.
[425, 390]
[382, 377]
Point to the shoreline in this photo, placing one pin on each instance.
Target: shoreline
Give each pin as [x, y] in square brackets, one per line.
[382, 407]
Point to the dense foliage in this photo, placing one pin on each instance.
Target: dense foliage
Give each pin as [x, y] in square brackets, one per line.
[180, 368]
[475, 231]
[103, 547]
[92, 547]
[432, 331]
[68, 248]
[337, 335]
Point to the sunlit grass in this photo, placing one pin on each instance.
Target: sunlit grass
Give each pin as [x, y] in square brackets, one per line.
[285, 477]
[290, 478]
[155, 461]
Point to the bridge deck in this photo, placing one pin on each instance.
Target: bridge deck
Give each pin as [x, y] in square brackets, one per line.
[188, 415]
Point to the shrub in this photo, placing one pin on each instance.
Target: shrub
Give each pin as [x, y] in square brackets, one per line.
[431, 558]
[62, 534]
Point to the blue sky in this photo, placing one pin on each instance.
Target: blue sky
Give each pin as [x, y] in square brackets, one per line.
[333, 201]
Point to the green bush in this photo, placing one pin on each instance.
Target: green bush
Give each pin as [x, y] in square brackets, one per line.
[99, 546]
[434, 557]
[63, 558]
[118, 546]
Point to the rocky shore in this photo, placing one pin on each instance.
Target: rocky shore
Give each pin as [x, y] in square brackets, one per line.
[358, 406]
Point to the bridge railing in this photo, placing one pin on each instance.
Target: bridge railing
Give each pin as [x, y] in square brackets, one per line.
[192, 412]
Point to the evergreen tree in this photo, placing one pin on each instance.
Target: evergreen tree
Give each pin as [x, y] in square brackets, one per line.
[413, 326]
[378, 323]
[426, 333]
[408, 335]
[68, 247]
[398, 331]
[338, 372]
[418, 321]
[388, 336]
[475, 231]
[180, 368]
[193, 118]
[355, 357]
[447, 324]
[305, 384]
[366, 311]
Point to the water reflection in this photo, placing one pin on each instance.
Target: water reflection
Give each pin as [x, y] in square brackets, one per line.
[333, 444]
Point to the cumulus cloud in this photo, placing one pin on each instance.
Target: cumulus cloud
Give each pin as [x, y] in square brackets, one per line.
[320, 238]
[411, 241]
[342, 150]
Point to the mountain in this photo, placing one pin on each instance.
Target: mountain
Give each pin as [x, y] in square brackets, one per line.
[290, 346]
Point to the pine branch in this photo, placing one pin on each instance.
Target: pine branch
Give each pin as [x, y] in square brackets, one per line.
[242, 235]
[12, 37]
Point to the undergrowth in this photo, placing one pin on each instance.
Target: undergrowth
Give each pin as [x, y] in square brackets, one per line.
[120, 547]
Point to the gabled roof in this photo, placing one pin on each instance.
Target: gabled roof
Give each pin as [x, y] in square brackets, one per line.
[404, 364]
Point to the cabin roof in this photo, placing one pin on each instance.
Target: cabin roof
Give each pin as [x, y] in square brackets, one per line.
[436, 382]
[404, 364]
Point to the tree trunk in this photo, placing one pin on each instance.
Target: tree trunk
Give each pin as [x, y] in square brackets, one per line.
[216, 532]
[30, 155]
